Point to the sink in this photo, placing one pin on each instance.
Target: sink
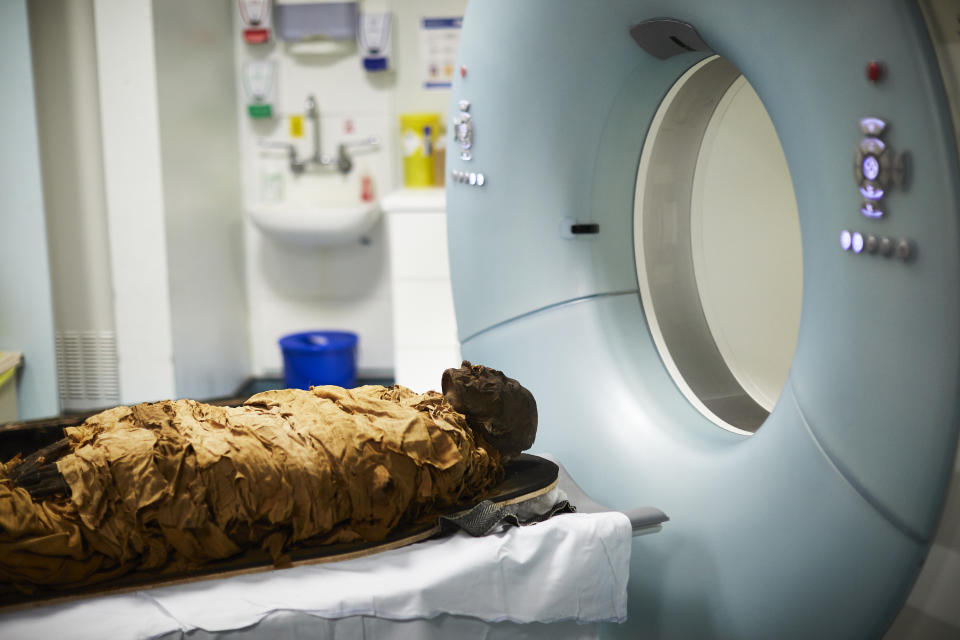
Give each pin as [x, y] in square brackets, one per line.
[314, 225]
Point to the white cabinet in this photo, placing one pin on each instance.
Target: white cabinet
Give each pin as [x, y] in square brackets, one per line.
[424, 326]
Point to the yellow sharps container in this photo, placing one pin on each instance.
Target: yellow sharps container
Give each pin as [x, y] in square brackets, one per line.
[419, 133]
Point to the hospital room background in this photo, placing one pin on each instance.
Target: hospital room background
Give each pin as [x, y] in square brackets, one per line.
[180, 190]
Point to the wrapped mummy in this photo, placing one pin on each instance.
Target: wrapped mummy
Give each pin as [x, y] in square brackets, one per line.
[172, 485]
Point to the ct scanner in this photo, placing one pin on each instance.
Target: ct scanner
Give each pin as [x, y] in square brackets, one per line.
[574, 243]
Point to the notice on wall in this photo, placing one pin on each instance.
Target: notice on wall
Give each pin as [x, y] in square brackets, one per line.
[439, 38]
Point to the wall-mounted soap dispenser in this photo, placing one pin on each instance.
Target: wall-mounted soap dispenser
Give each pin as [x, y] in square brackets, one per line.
[374, 38]
[255, 15]
[260, 85]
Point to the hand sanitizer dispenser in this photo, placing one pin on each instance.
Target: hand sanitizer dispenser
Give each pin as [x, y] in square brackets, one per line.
[373, 39]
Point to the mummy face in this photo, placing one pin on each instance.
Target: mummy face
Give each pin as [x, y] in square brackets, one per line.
[500, 409]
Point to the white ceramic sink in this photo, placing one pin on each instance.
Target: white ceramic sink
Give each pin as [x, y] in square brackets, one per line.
[314, 225]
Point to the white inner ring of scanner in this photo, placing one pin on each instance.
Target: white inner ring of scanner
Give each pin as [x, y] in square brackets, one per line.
[717, 242]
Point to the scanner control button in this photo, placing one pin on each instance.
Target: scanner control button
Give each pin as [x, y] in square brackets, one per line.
[886, 246]
[875, 167]
[904, 249]
[463, 130]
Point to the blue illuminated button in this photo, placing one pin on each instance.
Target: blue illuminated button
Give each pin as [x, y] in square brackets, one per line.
[846, 240]
[871, 167]
[857, 242]
[870, 210]
[871, 191]
[872, 126]
[872, 146]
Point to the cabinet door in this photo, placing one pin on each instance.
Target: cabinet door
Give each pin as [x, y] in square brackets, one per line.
[418, 246]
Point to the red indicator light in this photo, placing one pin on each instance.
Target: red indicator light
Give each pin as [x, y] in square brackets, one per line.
[256, 36]
[463, 71]
[875, 71]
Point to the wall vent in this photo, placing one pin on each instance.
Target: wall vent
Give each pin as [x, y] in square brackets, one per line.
[87, 370]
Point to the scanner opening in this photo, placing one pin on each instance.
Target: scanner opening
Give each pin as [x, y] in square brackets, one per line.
[717, 243]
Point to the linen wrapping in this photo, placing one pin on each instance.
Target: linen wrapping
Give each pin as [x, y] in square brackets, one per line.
[172, 485]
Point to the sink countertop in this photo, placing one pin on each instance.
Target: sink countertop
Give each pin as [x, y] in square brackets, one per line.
[415, 200]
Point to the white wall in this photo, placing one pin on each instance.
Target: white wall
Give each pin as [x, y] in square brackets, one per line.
[146, 209]
[140, 143]
[345, 287]
[26, 311]
[68, 110]
[203, 216]
[134, 198]
[141, 174]
[410, 95]
[68, 117]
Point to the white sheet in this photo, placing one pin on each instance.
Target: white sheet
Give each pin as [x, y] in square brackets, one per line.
[293, 625]
[571, 567]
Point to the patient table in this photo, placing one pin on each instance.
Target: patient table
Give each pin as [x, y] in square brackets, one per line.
[557, 579]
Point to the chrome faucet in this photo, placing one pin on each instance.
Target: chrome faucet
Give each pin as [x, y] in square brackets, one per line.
[313, 114]
[343, 162]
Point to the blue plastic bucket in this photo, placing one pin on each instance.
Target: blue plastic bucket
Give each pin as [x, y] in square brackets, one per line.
[319, 357]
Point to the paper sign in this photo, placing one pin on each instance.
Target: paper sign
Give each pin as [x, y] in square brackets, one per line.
[439, 38]
[296, 126]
